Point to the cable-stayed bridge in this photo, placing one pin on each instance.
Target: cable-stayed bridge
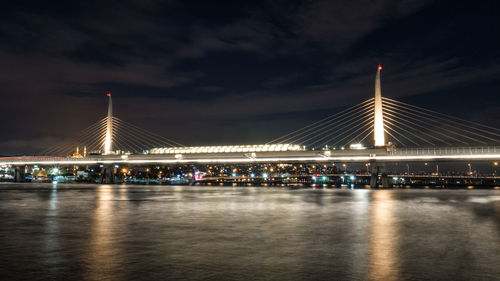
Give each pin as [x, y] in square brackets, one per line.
[377, 130]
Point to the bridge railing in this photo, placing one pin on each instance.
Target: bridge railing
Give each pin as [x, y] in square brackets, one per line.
[464, 150]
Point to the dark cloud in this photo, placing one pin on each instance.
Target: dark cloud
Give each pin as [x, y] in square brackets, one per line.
[236, 72]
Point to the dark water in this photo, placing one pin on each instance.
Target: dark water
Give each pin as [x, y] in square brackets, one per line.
[102, 232]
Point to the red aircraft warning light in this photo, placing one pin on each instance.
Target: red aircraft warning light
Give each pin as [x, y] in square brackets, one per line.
[108, 94]
[379, 67]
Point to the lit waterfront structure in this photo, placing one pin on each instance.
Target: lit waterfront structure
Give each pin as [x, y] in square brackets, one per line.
[77, 153]
[227, 148]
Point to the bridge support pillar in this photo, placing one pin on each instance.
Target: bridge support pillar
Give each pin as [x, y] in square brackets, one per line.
[385, 180]
[19, 175]
[374, 176]
[373, 180]
[107, 174]
[379, 169]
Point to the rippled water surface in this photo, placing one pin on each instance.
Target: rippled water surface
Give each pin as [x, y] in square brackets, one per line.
[104, 232]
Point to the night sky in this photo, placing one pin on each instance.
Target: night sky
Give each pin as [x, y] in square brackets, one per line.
[237, 72]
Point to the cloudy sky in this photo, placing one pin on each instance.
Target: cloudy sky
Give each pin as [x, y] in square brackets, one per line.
[216, 72]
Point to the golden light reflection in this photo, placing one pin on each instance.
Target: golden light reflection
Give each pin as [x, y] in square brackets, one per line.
[383, 238]
[103, 254]
[52, 232]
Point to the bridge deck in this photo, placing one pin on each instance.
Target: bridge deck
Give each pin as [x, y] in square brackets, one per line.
[348, 155]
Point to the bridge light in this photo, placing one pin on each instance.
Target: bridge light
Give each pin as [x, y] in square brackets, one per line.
[357, 146]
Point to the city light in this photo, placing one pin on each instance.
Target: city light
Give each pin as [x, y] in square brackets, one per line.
[357, 146]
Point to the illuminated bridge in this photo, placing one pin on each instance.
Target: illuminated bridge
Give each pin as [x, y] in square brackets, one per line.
[377, 131]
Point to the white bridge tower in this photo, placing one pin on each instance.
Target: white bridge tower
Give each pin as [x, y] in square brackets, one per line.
[109, 127]
[378, 128]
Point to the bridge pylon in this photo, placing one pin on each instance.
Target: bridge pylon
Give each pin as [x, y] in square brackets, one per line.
[109, 127]
[378, 125]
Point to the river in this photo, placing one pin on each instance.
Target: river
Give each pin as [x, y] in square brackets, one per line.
[127, 232]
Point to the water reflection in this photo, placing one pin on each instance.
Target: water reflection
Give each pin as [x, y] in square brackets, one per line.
[91, 232]
[383, 237]
[359, 224]
[51, 233]
[104, 256]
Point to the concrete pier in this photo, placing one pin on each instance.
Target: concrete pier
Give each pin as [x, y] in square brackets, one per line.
[385, 180]
[19, 174]
[107, 174]
[379, 169]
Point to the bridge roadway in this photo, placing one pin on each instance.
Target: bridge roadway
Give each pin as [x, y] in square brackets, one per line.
[306, 156]
[357, 175]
